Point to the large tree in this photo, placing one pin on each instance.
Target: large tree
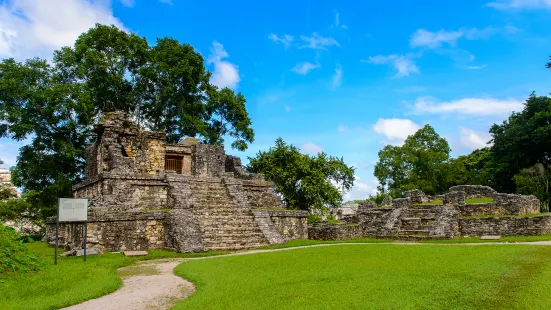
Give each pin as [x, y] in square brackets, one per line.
[418, 164]
[55, 104]
[521, 141]
[305, 182]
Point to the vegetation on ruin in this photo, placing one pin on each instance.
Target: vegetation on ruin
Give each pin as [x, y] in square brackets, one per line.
[56, 103]
[71, 281]
[479, 200]
[429, 203]
[305, 182]
[361, 277]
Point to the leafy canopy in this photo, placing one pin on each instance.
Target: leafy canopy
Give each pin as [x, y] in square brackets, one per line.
[55, 104]
[418, 164]
[305, 182]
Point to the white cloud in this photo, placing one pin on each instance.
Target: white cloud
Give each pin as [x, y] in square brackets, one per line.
[467, 106]
[424, 38]
[225, 73]
[396, 130]
[337, 77]
[403, 65]
[128, 3]
[361, 190]
[35, 28]
[287, 108]
[519, 4]
[342, 128]
[311, 148]
[304, 68]
[318, 42]
[285, 39]
[471, 139]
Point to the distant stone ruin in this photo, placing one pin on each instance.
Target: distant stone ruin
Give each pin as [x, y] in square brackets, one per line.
[147, 194]
[5, 180]
[419, 216]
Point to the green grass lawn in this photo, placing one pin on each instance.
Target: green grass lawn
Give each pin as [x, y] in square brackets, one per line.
[375, 277]
[71, 281]
[503, 239]
[306, 242]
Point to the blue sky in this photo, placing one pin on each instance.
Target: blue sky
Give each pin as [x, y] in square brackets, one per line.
[344, 77]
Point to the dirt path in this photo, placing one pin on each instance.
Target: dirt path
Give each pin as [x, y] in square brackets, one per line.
[153, 285]
[147, 285]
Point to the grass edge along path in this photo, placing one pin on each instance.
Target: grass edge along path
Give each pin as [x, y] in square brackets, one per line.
[72, 281]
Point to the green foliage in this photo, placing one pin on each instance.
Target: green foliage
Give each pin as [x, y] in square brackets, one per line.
[304, 181]
[534, 181]
[522, 141]
[313, 218]
[14, 255]
[165, 87]
[418, 164]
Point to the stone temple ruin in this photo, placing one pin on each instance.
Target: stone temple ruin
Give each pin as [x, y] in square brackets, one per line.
[419, 216]
[146, 194]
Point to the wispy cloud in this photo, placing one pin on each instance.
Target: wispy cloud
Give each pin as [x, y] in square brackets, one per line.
[467, 106]
[471, 139]
[337, 23]
[225, 73]
[337, 77]
[311, 148]
[318, 42]
[519, 4]
[404, 66]
[304, 67]
[128, 3]
[285, 39]
[342, 128]
[437, 39]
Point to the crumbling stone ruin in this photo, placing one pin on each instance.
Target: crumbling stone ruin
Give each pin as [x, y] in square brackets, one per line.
[5, 181]
[147, 194]
[419, 216]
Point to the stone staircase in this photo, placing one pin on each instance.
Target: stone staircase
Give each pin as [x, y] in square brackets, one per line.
[224, 224]
[418, 220]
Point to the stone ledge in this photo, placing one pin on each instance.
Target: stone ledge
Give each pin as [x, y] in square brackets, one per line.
[283, 213]
[118, 216]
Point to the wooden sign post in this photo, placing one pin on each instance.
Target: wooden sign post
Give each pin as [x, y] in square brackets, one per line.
[71, 210]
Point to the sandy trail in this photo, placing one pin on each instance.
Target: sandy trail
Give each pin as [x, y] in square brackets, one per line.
[152, 291]
[153, 285]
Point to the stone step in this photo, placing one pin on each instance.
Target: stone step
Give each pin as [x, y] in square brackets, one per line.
[235, 247]
[414, 231]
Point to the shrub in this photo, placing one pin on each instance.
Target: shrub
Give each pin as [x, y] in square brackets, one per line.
[14, 255]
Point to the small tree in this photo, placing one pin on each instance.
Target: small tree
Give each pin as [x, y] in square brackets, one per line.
[305, 182]
[534, 181]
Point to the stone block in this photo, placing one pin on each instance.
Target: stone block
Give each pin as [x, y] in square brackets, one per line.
[135, 253]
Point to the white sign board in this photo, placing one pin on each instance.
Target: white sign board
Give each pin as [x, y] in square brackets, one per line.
[73, 210]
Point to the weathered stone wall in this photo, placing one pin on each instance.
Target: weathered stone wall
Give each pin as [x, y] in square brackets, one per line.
[474, 191]
[113, 231]
[517, 204]
[208, 160]
[326, 231]
[416, 196]
[401, 202]
[291, 224]
[506, 226]
[260, 194]
[454, 198]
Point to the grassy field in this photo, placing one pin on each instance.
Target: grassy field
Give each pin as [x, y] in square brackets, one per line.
[306, 242]
[502, 239]
[375, 277]
[71, 281]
